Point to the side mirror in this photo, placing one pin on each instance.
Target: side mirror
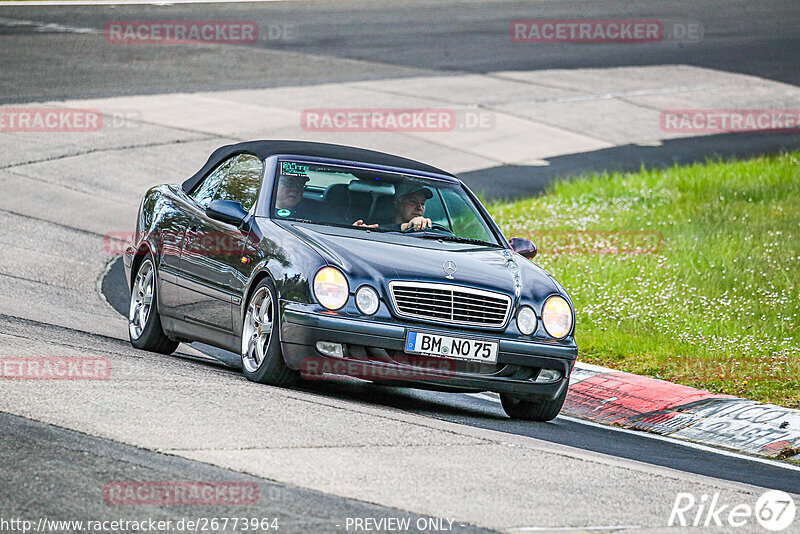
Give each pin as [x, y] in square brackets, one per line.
[227, 211]
[523, 247]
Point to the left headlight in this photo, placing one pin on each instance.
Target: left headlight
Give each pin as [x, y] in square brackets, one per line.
[557, 317]
[330, 288]
[526, 320]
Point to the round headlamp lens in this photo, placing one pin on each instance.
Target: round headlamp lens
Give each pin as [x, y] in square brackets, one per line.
[526, 320]
[557, 317]
[367, 300]
[330, 288]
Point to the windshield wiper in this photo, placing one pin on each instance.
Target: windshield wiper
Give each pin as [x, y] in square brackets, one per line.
[365, 228]
[341, 225]
[455, 238]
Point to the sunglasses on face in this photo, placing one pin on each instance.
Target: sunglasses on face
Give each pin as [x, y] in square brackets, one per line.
[292, 183]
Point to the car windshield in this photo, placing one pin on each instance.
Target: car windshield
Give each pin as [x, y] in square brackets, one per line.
[380, 201]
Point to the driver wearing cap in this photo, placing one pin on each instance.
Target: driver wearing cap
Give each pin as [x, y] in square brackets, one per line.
[409, 208]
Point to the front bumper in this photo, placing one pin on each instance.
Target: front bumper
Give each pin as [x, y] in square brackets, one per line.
[376, 346]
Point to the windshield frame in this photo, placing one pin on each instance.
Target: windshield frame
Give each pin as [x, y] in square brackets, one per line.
[271, 170]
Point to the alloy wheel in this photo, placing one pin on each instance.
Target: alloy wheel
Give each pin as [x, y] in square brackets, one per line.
[257, 331]
[141, 300]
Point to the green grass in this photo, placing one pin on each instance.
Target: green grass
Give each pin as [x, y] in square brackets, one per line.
[715, 306]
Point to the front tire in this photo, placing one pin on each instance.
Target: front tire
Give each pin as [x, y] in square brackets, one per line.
[262, 360]
[526, 410]
[144, 322]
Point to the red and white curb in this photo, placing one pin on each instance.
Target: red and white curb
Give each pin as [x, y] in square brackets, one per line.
[641, 403]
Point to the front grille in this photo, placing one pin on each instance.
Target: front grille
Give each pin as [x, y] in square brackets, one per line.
[444, 303]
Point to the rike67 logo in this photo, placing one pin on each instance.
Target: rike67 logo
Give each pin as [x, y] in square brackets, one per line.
[774, 511]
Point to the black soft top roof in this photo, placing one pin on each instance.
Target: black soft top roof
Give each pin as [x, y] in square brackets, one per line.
[264, 149]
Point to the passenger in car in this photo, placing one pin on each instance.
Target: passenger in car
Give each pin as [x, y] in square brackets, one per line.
[289, 195]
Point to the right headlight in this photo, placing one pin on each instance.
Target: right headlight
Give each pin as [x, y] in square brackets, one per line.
[367, 300]
[557, 316]
[331, 288]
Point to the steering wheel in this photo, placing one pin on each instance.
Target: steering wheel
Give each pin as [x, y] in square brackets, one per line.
[441, 228]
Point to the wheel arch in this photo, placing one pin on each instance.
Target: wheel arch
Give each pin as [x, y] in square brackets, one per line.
[142, 252]
[261, 273]
[145, 249]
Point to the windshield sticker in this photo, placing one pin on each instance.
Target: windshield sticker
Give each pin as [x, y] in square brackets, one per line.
[284, 213]
[290, 168]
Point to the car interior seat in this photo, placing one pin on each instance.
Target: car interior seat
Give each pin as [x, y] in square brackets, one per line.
[382, 211]
[336, 203]
[359, 206]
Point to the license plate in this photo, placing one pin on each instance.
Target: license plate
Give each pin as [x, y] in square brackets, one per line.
[451, 347]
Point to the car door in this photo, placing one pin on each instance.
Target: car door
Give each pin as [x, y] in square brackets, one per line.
[211, 249]
[241, 184]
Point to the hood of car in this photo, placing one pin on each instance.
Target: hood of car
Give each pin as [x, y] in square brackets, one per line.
[379, 258]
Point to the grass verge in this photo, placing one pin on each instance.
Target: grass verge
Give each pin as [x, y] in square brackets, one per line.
[689, 274]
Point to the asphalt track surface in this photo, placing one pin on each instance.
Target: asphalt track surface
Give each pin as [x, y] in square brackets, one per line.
[482, 412]
[305, 43]
[47, 54]
[346, 40]
[59, 473]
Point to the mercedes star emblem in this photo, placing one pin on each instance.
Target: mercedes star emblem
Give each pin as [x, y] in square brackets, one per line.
[449, 268]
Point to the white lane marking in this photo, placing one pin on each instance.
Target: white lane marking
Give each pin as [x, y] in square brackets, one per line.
[579, 374]
[572, 529]
[45, 27]
[641, 92]
[650, 435]
[594, 368]
[125, 2]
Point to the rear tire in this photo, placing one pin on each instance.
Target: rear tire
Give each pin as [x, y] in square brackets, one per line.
[533, 410]
[144, 322]
[262, 359]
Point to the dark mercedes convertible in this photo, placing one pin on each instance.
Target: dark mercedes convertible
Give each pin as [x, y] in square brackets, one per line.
[313, 260]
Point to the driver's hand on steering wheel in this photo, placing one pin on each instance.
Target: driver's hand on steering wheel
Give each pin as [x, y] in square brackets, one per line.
[417, 223]
[364, 225]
